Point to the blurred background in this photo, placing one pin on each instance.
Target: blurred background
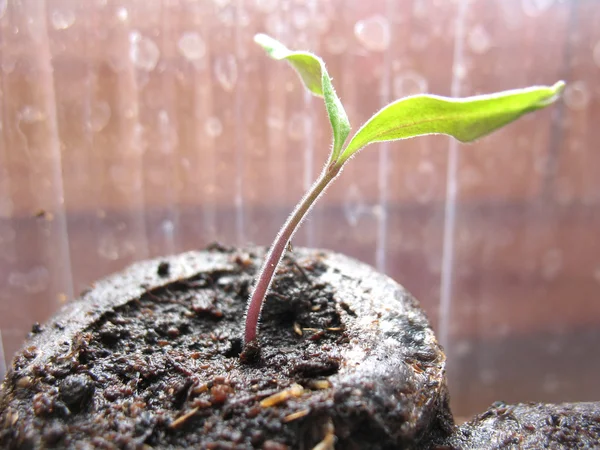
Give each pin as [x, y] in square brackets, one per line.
[131, 129]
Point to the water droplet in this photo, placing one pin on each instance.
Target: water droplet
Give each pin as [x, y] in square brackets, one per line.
[419, 41]
[3, 4]
[9, 62]
[99, 116]
[138, 142]
[335, 44]
[576, 95]
[168, 227]
[463, 348]
[322, 23]
[596, 274]
[168, 133]
[275, 118]
[551, 383]
[227, 16]
[479, 40]
[300, 17]
[354, 205]
[275, 25]
[61, 20]
[373, 33]
[422, 181]
[31, 114]
[487, 376]
[191, 46]
[266, 6]
[108, 247]
[213, 127]
[143, 52]
[6, 209]
[122, 14]
[125, 179]
[296, 126]
[596, 53]
[226, 71]
[34, 281]
[459, 71]
[551, 263]
[534, 8]
[409, 83]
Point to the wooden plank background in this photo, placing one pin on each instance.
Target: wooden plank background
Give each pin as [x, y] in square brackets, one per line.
[145, 127]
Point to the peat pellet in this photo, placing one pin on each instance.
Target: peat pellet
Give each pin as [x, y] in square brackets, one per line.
[151, 357]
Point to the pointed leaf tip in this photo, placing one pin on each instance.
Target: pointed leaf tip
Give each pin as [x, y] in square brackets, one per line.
[313, 74]
[466, 119]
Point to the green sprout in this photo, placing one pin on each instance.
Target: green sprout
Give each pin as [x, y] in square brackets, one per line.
[465, 119]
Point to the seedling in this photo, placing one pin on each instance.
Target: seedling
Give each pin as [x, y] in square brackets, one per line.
[465, 119]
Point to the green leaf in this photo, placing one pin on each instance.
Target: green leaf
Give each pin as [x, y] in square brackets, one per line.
[311, 70]
[466, 119]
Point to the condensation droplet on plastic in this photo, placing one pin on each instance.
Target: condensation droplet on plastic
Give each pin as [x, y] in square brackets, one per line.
[300, 17]
[168, 227]
[596, 274]
[108, 247]
[275, 25]
[463, 348]
[552, 262]
[534, 8]
[213, 127]
[275, 119]
[479, 40]
[31, 114]
[322, 23]
[354, 205]
[459, 71]
[99, 116]
[8, 61]
[422, 181]
[596, 53]
[6, 210]
[33, 281]
[487, 376]
[266, 6]
[227, 16]
[335, 44]
[409, 83]
[168, 133]
[226, 71]
[296, 126]
[62, 19]
[144, 53]
[550, 384]
[191, 46]
[373, 33]
[125, 179]
[122, 14]
[576, 95]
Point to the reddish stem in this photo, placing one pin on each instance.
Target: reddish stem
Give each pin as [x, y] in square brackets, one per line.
[278, 248]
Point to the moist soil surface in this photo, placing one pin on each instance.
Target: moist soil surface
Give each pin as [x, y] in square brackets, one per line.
[149, 358]
[529, 426]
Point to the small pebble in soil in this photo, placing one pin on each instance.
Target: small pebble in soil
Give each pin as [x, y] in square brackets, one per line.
[163, 269]
[76, 390]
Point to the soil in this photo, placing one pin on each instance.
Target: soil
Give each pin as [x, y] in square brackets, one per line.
[149, 358]
[529, 426]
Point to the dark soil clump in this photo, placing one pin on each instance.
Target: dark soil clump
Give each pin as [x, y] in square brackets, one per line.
[150, 359]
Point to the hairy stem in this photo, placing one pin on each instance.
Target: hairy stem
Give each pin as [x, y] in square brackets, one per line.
[278, 249]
